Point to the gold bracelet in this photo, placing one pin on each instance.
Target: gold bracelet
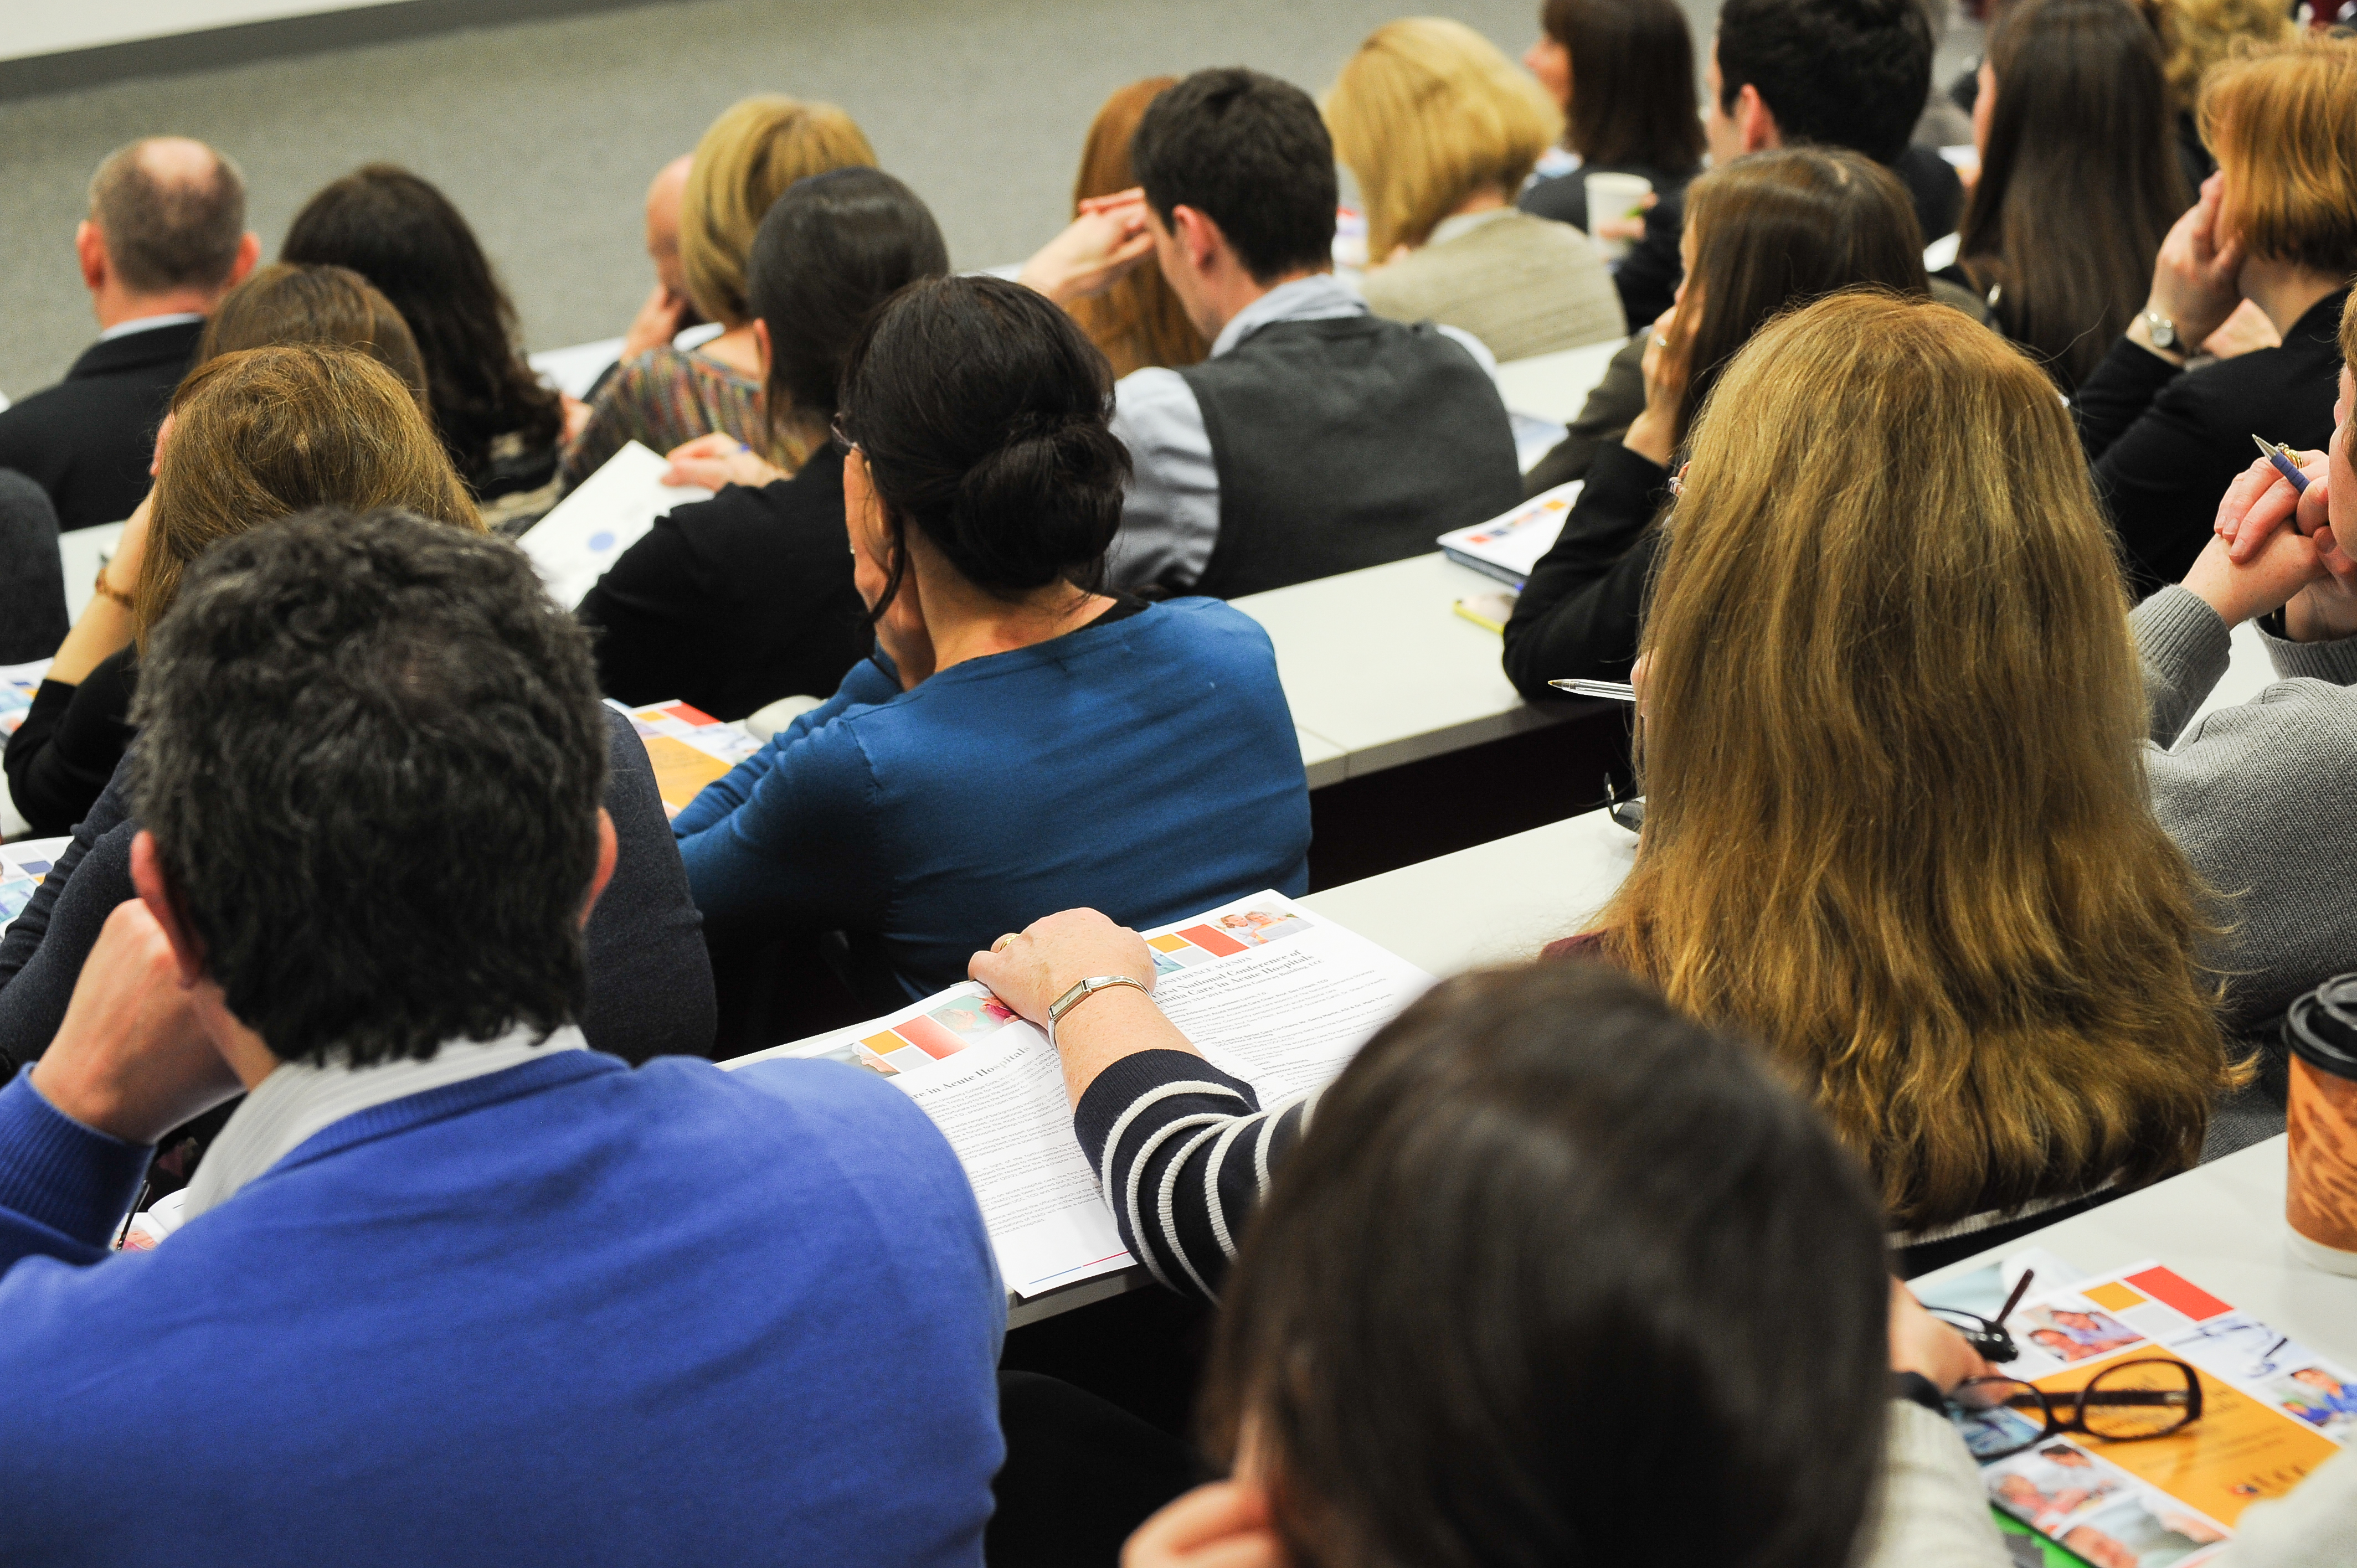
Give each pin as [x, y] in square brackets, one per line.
[112, 592]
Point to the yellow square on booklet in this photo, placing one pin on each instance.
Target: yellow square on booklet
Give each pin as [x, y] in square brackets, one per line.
[2113, 1296]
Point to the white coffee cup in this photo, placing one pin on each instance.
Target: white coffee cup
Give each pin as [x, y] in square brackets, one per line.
[1614, 196]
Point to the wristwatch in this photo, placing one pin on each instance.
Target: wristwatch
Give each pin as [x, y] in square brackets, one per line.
[1917, 1389]
[2163, 332]
[1082, 991]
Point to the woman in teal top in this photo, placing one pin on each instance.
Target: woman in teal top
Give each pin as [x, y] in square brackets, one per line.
[1019, 743]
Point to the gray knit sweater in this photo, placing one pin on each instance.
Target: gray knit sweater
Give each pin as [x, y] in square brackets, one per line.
[2249, 793]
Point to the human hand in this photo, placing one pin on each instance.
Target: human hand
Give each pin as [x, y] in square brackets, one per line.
[1653, 433]
[121, 572]
[1029, 969]
[162, 438]
[1223, 1525]
[1094, 252]
[131, 1060]
[2247, 330]
[2196, 279]
[712, 461]
[2286, 562]
[577, 415]
[2324, 610]
[1922, 1343]
[2261, 500]
[1625, 226]
[659, 321]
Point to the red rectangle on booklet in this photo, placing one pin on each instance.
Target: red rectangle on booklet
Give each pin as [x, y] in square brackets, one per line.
[2170, 1291]
[1211, 941]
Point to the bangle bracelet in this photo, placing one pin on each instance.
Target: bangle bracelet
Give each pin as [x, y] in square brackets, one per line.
[1084, 990]
[110, 591]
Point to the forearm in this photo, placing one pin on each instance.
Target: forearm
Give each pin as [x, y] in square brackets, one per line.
[104, 630]
[1111, 1024]
[2183, 648]
[63, 1186]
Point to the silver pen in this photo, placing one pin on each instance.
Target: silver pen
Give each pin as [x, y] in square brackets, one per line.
[1616, 690]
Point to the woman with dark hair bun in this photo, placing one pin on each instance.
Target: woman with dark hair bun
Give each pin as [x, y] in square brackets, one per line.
[733, 602]
[1019, 741]
[500, 425]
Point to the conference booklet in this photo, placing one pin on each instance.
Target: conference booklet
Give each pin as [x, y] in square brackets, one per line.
[1269, 990]
[2272, 1410]
[601, 517]
[24, 865]
[1509, 547]
[17, 684]
[688, 747]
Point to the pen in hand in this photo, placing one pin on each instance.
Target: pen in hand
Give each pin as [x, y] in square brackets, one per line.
[2281, 457]
[1618, 691]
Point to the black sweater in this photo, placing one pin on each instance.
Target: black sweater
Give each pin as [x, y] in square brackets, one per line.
[1578, 615]
[65, 750]
[732, 603]
[2166, 443]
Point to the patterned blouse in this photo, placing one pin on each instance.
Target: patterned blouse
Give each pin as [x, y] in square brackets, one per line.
[662, 398]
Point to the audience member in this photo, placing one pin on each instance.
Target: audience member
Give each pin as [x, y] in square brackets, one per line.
[500, 425]
[456, 1288]
[1440, 131]
[668, 310]
[1137, 321]
[2276, 225]
[260, 434]
[1768, 231]
[2198, 34]
[1880, 833]
[32, 577]
[982, 486]
[166, 238]
[1506, 1189]
[735, 602]
[663, 396]
[1317, 438]
[72, 736]
[1624, 74]
[2079, 178]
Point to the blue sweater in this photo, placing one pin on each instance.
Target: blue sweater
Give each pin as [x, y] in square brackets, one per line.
[567, 1314]
[1145, 766]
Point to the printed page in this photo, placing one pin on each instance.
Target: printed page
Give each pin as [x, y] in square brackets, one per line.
[1266, 989]
[688, 747]
[1516, 541]
[610, 511]
[17, 684]
[2272, 1410]
[24, 865]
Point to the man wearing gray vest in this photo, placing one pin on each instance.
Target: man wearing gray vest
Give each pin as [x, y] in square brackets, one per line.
[1317, 438]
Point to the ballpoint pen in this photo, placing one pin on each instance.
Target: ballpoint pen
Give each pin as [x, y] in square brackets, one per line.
[1618, 691]
[2281, 457]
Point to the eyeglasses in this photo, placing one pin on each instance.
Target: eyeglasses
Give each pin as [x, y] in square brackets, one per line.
[840, 436]
[2150, 1397]
[1988, 1335]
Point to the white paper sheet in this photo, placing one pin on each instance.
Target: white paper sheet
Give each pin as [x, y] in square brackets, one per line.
[610, 511]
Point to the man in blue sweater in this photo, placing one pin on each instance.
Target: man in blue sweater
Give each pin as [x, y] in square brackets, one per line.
[454, 1289]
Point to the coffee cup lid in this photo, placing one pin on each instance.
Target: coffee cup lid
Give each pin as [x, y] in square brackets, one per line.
[2320, 1027]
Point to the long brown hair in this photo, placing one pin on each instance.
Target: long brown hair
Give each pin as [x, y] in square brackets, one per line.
[1776, 229]
[1632, 82]
[262, 433]
[1138, 321]
[1897, 822]
[2280, 124]
[2080, 182]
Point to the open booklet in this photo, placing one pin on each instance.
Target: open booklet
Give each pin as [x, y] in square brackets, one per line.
[688, 746]
[1507, 548]
[2271, 1412]
[17, 684]
[1265, 989]
[23, 867]
[606, 514]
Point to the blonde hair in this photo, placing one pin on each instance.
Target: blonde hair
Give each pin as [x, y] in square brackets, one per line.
[2283, 123]
[2198, 33]
[1897, 822]
[746, 160]
[1428, 112]
[262, 433]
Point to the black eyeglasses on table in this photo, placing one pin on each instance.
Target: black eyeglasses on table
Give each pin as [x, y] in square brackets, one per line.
[2125, 1403]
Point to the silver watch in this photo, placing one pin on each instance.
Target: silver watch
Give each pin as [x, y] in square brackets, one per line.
[2163, 330]
[1082, 991]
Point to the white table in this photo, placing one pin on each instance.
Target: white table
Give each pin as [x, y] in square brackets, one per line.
[1379, 666]
[2221, 1226]
[1554, 386]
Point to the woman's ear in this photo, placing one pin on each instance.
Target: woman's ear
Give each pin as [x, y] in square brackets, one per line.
[761, 348]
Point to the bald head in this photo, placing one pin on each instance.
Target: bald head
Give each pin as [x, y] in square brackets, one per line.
[171, 212]
[662, 224]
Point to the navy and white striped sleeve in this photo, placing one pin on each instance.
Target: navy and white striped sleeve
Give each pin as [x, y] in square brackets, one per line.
[1183, 1153]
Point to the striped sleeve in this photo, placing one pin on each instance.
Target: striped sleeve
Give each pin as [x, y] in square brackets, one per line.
[1183, 1153]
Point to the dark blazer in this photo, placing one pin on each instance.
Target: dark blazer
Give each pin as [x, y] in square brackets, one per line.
[650, 979]
[2166, 443]
[88, 440]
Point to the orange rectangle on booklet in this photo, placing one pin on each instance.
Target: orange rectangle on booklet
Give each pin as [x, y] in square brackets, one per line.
[681, 770]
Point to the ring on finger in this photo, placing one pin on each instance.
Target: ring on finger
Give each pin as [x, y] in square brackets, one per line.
[1000, 945]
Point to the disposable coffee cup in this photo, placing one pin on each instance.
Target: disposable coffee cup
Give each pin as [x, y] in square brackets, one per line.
[1614, 196]
[2320, 1203]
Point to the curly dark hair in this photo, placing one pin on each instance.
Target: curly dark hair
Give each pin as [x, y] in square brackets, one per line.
[404, 235]
[371, 755]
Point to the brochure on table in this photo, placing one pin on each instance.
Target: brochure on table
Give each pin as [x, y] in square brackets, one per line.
[2272, 1410]
[23, 867]
[17, 684]
[1267, 989]
[609, 511]
[1509, 547]
[688, 746]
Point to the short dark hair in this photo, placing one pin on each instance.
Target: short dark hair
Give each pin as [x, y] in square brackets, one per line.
[1846, 73]
[831, 249]
[371, 753]
[1632, 81]
[1252, 154]
[404, 235]
[1558, 1275]
[985, 415]
[167, 234]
